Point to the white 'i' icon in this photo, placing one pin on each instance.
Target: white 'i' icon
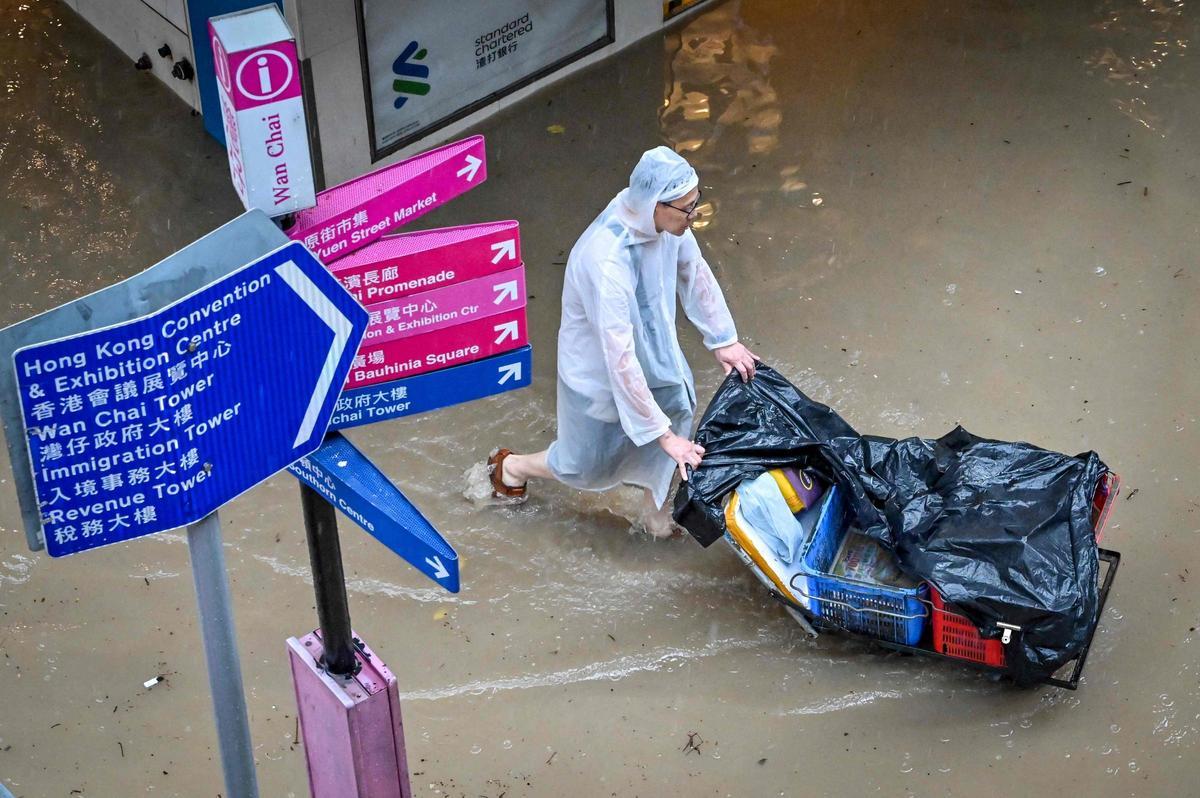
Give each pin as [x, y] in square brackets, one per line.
[264, 75]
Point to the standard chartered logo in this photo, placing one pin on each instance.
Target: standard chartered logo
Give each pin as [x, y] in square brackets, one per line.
[412, 76]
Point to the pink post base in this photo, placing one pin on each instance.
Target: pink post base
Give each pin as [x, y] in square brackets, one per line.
[351, 728]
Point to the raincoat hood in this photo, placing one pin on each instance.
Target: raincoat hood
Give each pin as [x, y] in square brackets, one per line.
[662, 175]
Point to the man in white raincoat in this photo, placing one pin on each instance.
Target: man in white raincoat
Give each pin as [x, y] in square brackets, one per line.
[625, 393]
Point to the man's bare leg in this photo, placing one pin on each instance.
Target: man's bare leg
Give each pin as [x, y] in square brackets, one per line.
[520, 468]
[656, 520]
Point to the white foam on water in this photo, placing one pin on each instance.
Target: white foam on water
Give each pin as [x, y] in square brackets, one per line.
[17, 569]
[159, 574]
[852, 700]
[662, 659]
[477, 485]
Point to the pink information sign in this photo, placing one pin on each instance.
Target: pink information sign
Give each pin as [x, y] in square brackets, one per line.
[462, 343]
[446, 307]
[410, 263]
[262, 111]
[362, 210]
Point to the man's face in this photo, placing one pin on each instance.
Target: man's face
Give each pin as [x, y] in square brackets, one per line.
[676, 216]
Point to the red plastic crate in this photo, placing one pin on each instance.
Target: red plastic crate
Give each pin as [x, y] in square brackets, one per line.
[1102, 503]
[954, 635]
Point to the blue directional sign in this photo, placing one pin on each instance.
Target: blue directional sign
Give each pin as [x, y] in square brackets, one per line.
[153, 424]
[350, 482]
[435, 390]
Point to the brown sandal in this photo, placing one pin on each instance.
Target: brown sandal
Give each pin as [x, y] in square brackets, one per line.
[495, 465]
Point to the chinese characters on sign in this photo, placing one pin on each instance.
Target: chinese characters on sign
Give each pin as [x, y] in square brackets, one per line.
[152, 424]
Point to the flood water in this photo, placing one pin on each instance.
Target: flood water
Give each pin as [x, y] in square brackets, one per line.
[923, 214]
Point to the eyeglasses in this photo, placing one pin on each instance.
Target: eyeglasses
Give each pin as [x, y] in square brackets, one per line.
[689, 210]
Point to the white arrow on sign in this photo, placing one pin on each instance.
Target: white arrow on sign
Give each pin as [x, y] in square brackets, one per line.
[505, 291]
[471, 168]
[510, 372]
[327, 312]
[505, 249]
[439, 570]
[506, 330]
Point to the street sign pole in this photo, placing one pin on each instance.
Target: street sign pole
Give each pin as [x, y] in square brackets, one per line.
[221, 657]
[329, 582]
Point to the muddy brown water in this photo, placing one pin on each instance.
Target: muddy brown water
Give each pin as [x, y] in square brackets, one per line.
[924, 215]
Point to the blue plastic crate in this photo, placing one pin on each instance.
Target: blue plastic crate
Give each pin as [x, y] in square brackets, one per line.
[896, 614]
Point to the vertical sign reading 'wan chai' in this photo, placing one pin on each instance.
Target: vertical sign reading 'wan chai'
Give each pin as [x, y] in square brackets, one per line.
[258, 83]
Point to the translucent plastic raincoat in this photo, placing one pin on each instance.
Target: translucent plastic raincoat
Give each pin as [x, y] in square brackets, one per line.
[622, 378]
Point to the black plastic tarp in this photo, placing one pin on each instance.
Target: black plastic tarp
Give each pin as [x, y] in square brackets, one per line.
[1002, 529]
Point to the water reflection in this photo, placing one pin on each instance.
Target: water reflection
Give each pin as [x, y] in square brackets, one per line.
[61, 200]
[720, 107]
[1147, 37]
[719, 80]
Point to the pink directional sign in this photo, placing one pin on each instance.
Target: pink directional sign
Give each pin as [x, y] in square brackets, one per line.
[446, 307]
[417, 354]
[362, 210]
[409, 263]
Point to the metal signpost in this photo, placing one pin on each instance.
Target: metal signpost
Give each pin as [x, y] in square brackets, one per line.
[154, 423]
[440, 303]
[148, 405]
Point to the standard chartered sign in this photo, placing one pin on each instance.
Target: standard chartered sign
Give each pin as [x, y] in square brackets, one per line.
[424, 72]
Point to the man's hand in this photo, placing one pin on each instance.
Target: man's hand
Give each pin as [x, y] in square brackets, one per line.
[682, 451]
[737, 356]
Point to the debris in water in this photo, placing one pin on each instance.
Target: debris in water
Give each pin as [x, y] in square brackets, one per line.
[1132, 493]
[1100, 271]
[554, 130]
[693, 743]
[762, 761]
[151, 682]
[1018, 291]
[552, 755]
[1124, 182]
